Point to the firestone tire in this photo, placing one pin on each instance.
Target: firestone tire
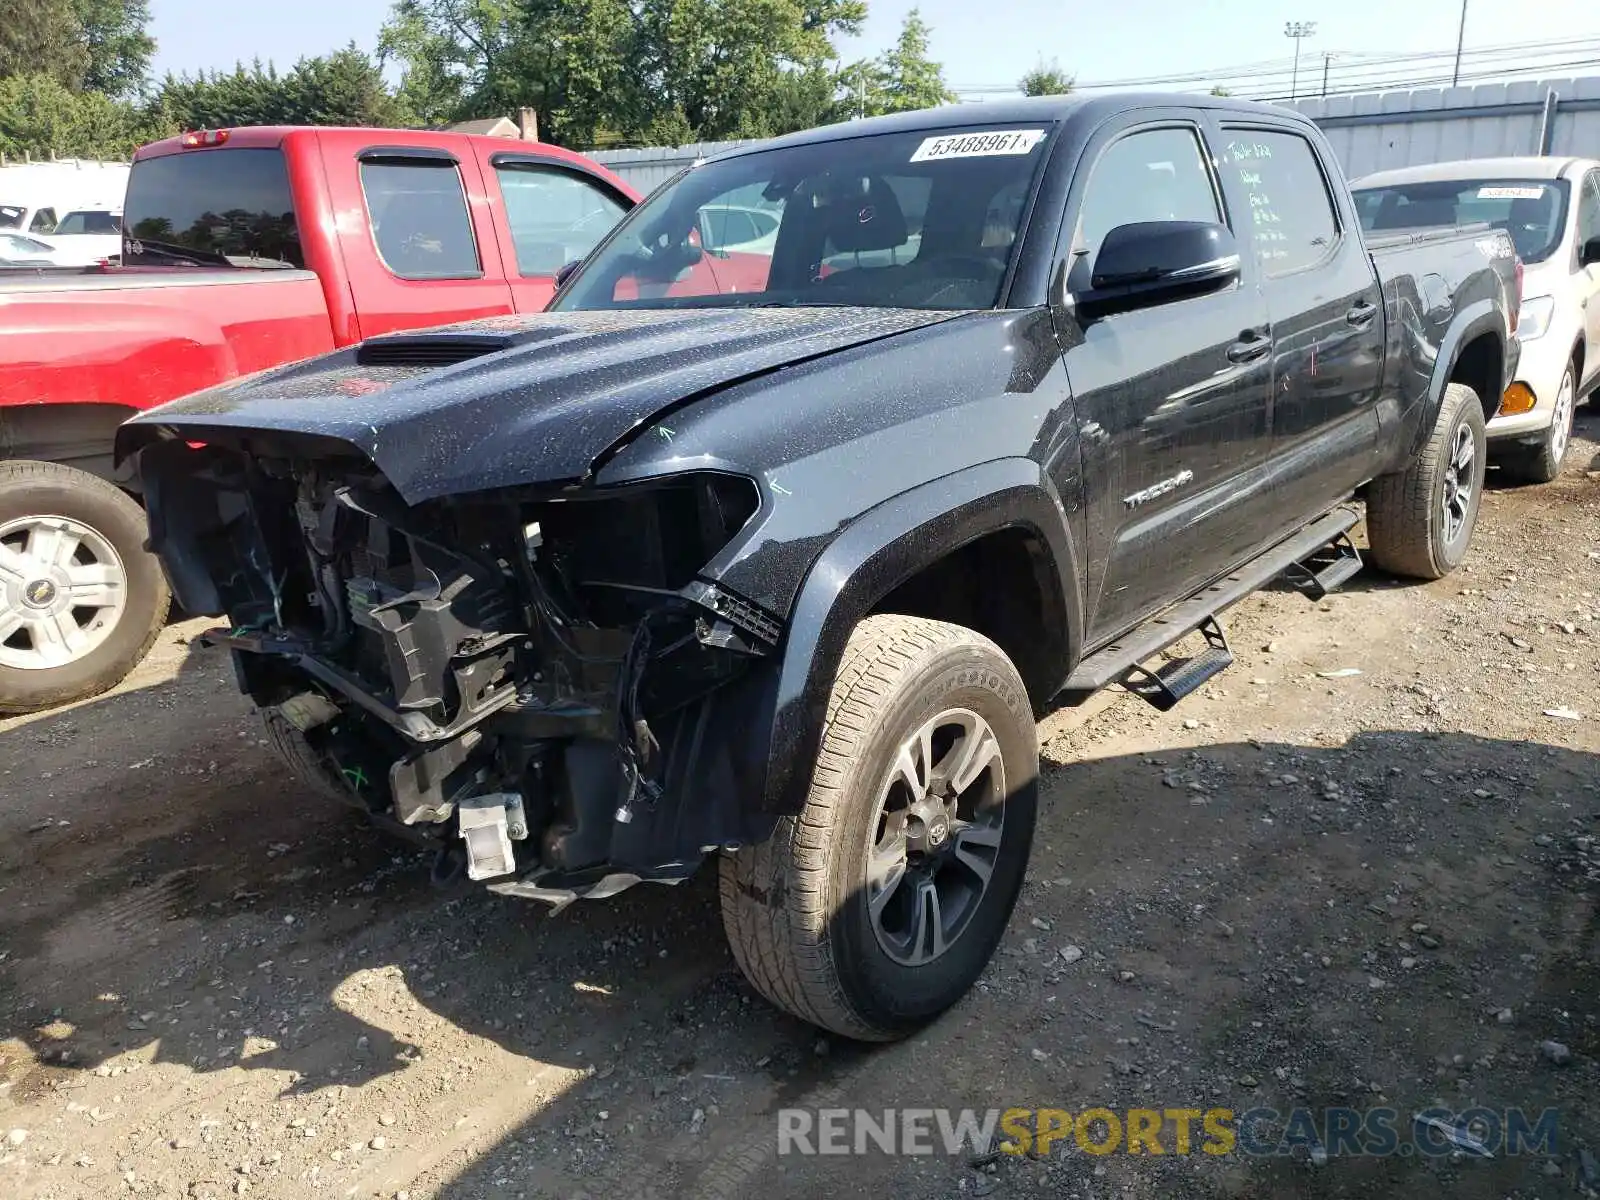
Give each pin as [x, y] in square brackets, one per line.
[96, 537]
[1420, 520]
[926, 782]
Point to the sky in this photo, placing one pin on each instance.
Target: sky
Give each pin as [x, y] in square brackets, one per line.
[986, 45]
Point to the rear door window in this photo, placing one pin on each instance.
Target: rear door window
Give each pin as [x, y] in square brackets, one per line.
[215, 207]
[420, 222]
[556, 215]
[1291, 208]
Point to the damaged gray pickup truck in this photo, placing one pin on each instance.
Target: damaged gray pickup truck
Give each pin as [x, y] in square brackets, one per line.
[771, 551]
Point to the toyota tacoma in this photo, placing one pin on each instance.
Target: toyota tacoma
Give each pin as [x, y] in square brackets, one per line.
[780, 573]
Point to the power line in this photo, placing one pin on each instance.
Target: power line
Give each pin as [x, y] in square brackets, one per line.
[1367, 69]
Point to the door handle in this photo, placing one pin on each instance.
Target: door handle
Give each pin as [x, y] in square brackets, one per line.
[1253, 344]
[1361, 315]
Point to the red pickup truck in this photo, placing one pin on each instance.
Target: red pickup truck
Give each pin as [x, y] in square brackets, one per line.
[243, 249]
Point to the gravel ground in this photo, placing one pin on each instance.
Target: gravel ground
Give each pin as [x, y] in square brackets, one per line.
[1361, 869]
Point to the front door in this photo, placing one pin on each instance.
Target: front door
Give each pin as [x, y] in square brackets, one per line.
[550, 213]
[1172, 400]
[1326, 308]
[1589, 276]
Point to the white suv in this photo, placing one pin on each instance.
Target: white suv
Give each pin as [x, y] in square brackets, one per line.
[1551, 208]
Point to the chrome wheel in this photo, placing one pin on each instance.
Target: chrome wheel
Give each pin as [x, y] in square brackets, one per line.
[936, 837]
[1460, 482]
[1561, 421]
[63, 587]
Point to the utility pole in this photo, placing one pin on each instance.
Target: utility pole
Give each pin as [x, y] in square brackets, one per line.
[1326, 59]
[1461, 38]
[1299, 31]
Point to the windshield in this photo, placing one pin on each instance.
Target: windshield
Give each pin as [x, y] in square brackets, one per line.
[913, 220]
[1532, 211]
[83, 221]
[211, 207]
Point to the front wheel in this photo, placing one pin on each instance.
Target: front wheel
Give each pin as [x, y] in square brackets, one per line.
[81, 600]
[876, 907]
[1420, 520]
[1542, 463]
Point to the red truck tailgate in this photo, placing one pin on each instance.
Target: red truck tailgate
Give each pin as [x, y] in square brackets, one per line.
[129, 339]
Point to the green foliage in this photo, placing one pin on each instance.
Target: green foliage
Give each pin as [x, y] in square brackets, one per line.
[74, 74]
[345, 88]
[42, 37]
[38, 116]
[117, 43]
[900, 80]
[1219, 90]
[1046, 79]
[640, 71]
[912, 80]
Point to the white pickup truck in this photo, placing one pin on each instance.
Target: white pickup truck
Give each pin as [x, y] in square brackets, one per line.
[1551, 208]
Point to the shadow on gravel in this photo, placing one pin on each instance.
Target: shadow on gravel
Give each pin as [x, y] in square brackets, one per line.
[236, 923]
[1269, 926]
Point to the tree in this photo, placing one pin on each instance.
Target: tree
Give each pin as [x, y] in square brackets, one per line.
[344, 88]
[643, 71]
[910, 79]
[116, 39]
[903, 79]
[42, 38]
[40, 116]
[1219, 90]
[1046, 79]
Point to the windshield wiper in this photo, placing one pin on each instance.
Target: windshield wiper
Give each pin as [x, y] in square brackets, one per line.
[182, 254]
[797, 304]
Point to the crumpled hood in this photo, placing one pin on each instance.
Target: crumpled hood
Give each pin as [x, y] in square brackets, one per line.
[505, 401]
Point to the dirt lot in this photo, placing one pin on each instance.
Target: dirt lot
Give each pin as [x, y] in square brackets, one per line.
[1306, 886]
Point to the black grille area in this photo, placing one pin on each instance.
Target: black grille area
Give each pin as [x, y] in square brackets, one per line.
[426, 351]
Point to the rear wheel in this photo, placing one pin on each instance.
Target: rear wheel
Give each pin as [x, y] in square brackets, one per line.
[81, 600]
[877, 906]
[1542, 463]
[1420, 520]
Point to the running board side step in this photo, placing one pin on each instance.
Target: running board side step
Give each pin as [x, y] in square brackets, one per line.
[1164, 687]
[1324, 571]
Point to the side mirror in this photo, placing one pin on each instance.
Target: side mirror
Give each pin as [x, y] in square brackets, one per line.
[1151, 262]
[565, 273]
[1589, 252]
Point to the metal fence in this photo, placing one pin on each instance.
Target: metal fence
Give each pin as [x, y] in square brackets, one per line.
[1404, 129]
[1371, 132]
[649, 169]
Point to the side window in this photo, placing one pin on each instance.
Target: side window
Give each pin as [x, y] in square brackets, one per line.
[44, 221]
[419, 217]
[556, 216]
[1291, 210]
[1154, 175]
[742, 221]
[1589, 209]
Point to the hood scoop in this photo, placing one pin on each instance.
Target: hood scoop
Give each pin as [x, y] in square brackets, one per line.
[429, 350]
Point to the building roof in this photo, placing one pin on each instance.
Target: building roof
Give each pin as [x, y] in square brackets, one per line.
[488, 127]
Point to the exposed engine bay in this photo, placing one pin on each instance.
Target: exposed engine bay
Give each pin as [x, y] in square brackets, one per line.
[536, 682]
